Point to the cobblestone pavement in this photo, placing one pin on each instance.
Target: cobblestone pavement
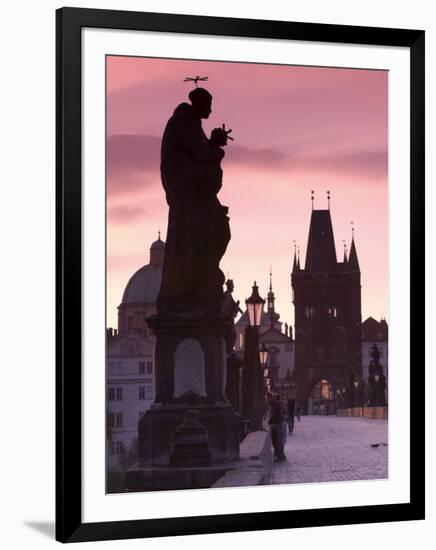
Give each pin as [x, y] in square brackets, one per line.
[330, 448]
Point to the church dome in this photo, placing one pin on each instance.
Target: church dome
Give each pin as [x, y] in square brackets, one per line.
[159, 244]
[144, 285]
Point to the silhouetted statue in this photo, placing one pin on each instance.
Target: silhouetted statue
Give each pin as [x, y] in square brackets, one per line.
[230, 309]
[198, 226]
[376, 379]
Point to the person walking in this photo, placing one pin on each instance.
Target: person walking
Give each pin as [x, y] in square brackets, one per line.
[278, 426]
[298, 414]
[291, 414]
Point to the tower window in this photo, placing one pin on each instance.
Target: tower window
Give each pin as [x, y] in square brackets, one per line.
[149, 367]
[332, 311]
[141, 392]
[142, 367]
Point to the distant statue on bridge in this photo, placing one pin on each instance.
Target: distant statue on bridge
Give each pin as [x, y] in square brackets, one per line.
[376, 380]
[198, 225]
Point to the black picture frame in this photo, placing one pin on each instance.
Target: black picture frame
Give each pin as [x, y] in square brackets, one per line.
[69, 22]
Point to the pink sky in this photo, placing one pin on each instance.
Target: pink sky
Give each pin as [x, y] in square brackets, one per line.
[295, 129]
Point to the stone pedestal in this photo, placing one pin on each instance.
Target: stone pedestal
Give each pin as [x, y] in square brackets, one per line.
[190, 372]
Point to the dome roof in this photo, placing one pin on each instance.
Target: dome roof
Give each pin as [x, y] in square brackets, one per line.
[144, 285]
[159, 244]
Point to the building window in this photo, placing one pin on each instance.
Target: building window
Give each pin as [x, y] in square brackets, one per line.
[129, 323]
[115, 420]
[141, 392]
[115, 447]
[149, 367]
[309, 312]
[332, 311]
[115, 394]
[142, 367]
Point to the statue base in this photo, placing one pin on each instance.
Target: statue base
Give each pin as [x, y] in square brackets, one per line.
[190, 374]
[157, 440]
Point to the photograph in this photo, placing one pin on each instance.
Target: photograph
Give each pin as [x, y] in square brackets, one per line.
[247, 280]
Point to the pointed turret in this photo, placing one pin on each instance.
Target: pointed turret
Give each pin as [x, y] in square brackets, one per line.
[271, 302]
[294, 265]
[353, 262]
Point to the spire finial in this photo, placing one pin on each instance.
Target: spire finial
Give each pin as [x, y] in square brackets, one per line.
[158, 235]
[328, 199]
[270, 278]
[352, 229]
[312, 197]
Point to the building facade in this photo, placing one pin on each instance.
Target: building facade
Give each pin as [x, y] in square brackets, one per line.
[130, 361]
[278, 341]
[327, 301]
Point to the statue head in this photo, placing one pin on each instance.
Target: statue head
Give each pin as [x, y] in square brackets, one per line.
[201, 101]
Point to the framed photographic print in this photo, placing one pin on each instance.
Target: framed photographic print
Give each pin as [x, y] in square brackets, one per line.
[240, 274]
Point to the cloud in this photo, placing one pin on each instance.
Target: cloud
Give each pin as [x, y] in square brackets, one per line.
[368, 163]
[264, 157]
[133, 163]
[125, 214]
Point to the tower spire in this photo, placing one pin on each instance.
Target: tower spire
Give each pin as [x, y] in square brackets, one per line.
[294, 265]
[271, 300]
[328, 199]
[353, 262]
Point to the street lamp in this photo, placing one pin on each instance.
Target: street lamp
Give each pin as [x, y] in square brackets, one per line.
[254, 307]
[254, 360]
[356, 385]
[263, 354]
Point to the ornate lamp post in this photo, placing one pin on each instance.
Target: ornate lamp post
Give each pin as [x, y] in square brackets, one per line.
[356, 394]
[254, 307]
[263, 355]
[252, 376]
[263, 358]
[376, 389]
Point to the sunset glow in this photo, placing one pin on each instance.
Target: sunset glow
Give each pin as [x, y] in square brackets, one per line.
[295, 129]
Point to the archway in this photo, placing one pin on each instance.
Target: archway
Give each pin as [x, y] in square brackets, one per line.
[321, 399]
